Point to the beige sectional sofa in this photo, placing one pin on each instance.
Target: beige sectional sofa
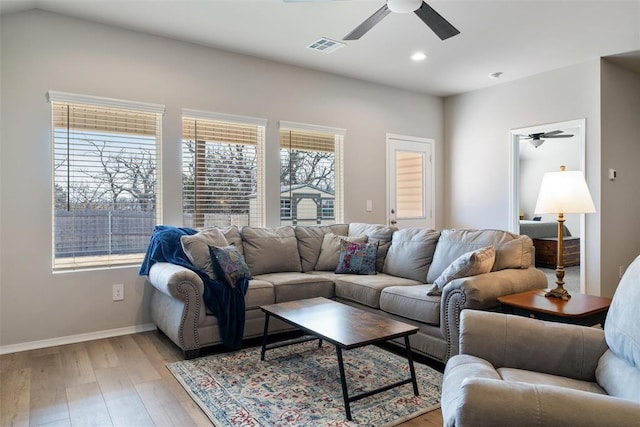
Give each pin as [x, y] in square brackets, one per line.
[291, 263]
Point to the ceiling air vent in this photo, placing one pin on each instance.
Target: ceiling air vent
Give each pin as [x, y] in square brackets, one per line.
[325, 45]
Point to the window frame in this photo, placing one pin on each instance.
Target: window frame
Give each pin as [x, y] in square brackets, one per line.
[257, 218]
[338, 147]
[83, 262]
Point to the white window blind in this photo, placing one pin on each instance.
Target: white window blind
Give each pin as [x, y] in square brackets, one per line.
[310, 174]
[409, 188]
[106, 183]
[222, 170]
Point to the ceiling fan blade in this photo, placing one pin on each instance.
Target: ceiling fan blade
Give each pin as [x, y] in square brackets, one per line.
[436, 22]
[368, 24]
[557, 136]
[553, 132]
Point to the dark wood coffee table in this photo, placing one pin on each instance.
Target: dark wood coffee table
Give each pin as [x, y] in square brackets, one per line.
[345, 327]
[580, 309]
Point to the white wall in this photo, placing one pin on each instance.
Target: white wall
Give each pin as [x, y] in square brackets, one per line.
[477, 142]
[43, 51]
[620, 151]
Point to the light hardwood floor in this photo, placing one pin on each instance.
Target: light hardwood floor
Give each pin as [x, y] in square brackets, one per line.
[120, 381]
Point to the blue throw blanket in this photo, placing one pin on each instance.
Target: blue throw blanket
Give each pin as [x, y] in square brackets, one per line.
[223, 301]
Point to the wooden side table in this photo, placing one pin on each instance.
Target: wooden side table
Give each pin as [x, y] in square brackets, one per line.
[581, 309]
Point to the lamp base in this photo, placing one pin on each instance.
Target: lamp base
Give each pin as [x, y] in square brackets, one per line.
[558, 292]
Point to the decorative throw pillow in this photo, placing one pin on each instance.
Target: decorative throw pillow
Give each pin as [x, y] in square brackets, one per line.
[229, 264]
[469, 264]
[196, 247]
[330, 250]
[357, 258]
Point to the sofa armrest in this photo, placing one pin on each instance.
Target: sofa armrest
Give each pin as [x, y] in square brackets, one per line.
[493, 402]
[178, 306]
[175, 281]
[522, 343]
[481, 292]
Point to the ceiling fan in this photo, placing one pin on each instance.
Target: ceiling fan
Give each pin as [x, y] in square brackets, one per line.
[430, 17]
[536, 138]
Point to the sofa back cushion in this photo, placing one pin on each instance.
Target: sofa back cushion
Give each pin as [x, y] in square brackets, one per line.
[330, 250]
[411, 253]
[512, 250]
[271, 250]
[375, 233]
[232, 234]
[310, 242]
[196, 248]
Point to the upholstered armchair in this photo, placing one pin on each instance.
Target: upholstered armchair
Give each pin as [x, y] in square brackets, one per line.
[516, 371]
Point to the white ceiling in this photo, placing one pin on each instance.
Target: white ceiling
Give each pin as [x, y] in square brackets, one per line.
[516, 37]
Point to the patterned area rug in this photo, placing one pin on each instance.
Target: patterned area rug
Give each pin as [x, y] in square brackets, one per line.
[299, 385]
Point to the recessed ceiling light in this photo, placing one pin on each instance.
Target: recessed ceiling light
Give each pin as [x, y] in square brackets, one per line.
[419, 56]
[495, 75]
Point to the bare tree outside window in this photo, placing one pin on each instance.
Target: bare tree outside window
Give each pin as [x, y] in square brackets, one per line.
[105, 186]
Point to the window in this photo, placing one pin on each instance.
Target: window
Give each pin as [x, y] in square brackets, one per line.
[222, 170]
[285, 208]
[311, 173]
[327, 209]
[105, 179]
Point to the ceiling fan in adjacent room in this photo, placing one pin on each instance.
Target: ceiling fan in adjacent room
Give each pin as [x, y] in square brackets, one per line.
[536, 138]
[430, 17]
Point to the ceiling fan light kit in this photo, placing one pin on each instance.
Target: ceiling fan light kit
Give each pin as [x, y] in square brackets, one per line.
[403, 6]
[536, 142]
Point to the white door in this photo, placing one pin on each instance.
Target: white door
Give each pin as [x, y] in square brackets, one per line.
[410, 181]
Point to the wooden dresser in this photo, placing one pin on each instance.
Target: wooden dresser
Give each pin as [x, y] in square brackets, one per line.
[547, 251]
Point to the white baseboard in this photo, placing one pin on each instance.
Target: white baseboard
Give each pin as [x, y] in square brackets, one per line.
[72, 339]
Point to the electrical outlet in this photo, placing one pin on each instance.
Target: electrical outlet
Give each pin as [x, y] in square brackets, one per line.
[118, 292]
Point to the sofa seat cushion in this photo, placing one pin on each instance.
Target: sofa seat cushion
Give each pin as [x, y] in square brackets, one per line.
[539, 378]
[366, 289]
[260, 292]
[293, 286]
[411, 302]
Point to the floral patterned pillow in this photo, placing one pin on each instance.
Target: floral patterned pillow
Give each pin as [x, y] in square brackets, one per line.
[229, 264]
[357, 258]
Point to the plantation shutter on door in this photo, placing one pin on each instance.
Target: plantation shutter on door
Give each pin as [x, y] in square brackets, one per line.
[409, 188]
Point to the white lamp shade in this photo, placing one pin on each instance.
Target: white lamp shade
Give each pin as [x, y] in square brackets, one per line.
[564, 192]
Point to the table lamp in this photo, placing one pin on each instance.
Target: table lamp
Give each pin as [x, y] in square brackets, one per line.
[560, 193]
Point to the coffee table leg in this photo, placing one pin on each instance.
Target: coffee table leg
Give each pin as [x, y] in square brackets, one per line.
[343, 381]
[411, 368]
[264, 335]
